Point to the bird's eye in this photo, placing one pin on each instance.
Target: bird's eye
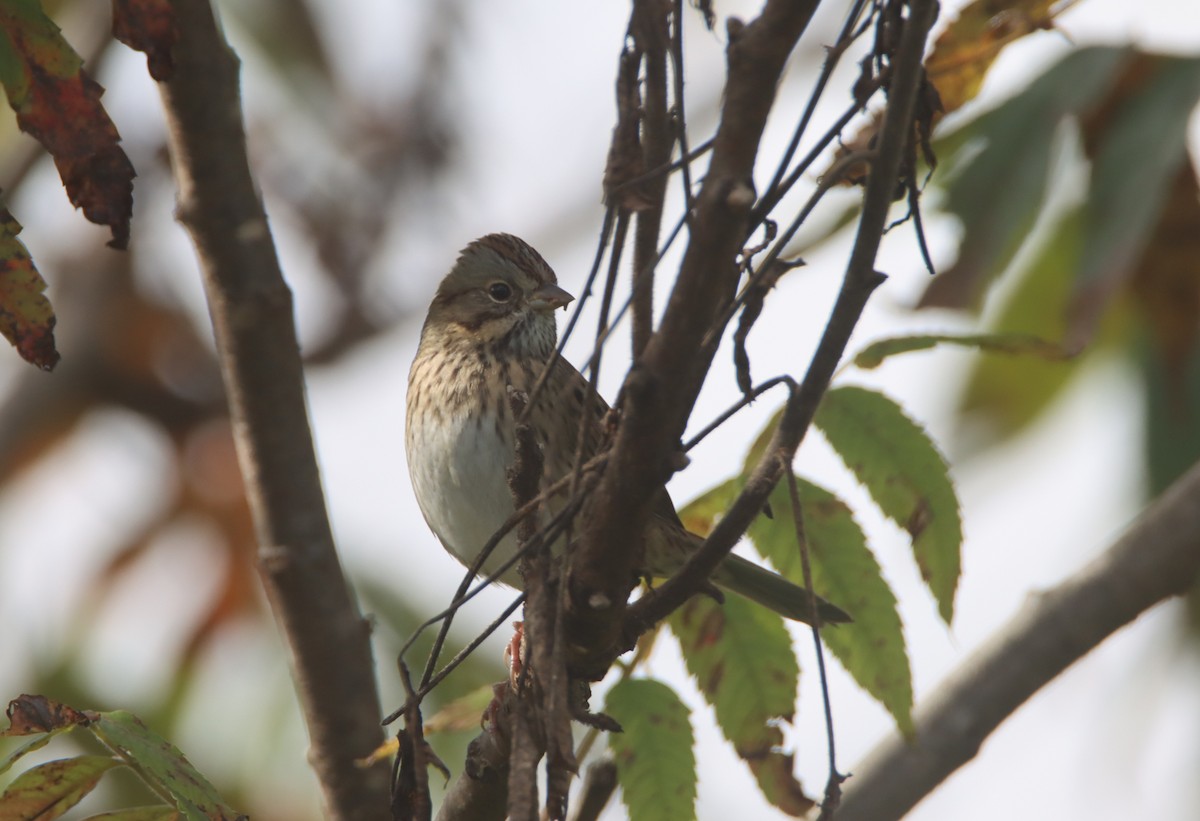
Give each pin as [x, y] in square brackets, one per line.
[500, 291]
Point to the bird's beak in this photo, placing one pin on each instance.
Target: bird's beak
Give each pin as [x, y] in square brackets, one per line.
[548, 298]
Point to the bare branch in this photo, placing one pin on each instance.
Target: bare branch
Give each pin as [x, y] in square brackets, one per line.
[480, 793]
[1157, 558]
[859, 283]
[598, 786]
[660, 390]
[251, 309]
[650, 28]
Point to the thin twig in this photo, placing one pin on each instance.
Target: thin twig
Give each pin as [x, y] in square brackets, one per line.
[777, 188]
[835, 779]
[859, 283]
[598, 787]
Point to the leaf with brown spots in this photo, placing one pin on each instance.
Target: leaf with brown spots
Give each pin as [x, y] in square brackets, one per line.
[656, 766]
[49, 790]
[59, 105]
[147, 26]
[26, 316]
[162, 765]
[1142, 188]
[872, 647]
[742, 659]
[905, 475]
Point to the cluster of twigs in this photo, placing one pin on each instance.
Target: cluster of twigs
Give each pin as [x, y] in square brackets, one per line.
[585, 599]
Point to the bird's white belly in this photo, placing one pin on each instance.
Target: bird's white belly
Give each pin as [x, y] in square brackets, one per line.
[458, 473]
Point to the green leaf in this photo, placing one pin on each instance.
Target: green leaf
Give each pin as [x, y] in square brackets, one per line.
[1004, 395]
[157, 812]
[1172, 418]
[1141, 149]
[742, 659]
[162, 765]
[872, 647]
[49, 790]
[997, 181]
[905, 475]
[462, 713]
[655, 763]
[700, 514]
[26, 748]
[874, 354]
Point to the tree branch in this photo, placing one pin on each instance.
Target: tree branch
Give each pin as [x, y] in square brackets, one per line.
[251, 309]
[661, 389]
[1157, 558]
[860, 281]
[480, 793]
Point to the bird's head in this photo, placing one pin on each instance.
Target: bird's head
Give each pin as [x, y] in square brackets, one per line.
[500, 293]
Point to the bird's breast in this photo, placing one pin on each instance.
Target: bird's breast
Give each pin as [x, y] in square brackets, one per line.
[458, 450]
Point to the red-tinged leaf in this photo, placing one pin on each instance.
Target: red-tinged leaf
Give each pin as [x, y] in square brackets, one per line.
[742, 659]
[37, 714]
[59, 105]
[905, 475]
[655, 763]
[26, 316]
[147, 26]
[49, 790]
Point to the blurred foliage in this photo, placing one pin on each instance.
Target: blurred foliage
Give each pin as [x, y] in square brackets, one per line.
[1117, 271]
[134, 345]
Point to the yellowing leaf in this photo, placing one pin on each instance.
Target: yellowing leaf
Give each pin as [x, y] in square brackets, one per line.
[655, 763]
[905, 475]
[49, 790]
[463, 713]
[966, 49]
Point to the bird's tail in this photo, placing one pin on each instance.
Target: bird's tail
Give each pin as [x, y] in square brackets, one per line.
[737, 575]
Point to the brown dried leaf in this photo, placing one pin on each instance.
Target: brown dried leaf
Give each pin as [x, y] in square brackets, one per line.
[148, 26]
[28, 715]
